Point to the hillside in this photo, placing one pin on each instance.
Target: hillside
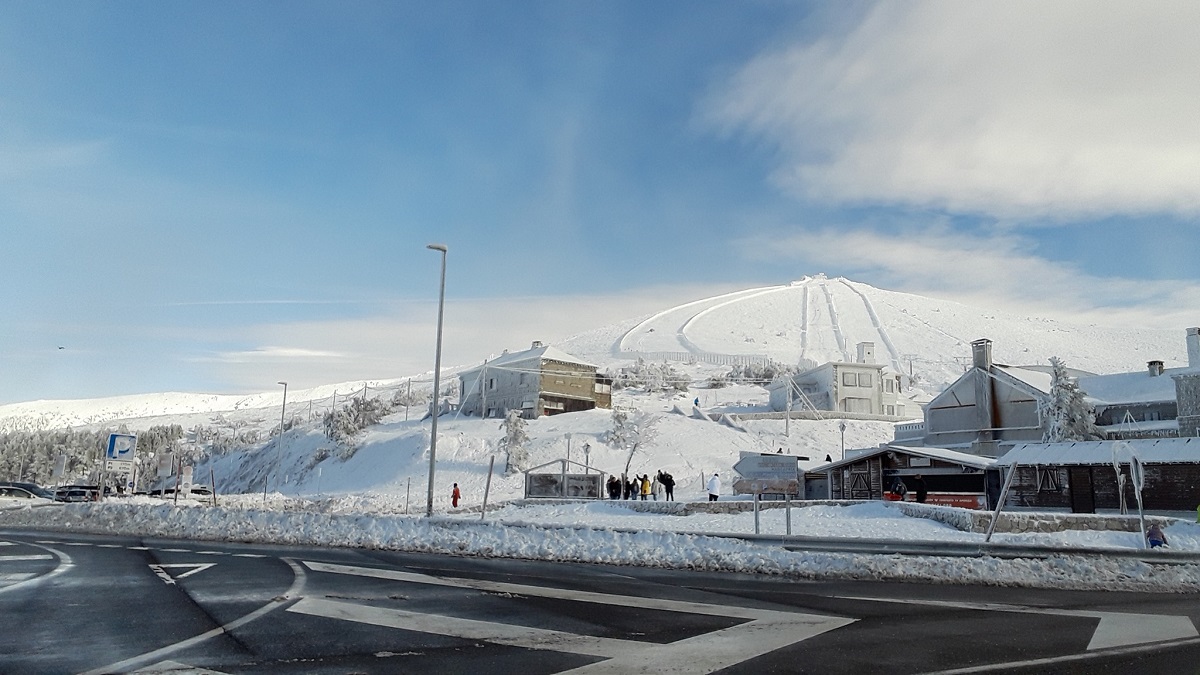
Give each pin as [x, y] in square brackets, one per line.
[811, 320]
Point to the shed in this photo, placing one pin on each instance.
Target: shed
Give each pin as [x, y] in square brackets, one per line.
[952, 478]
[1080, 475]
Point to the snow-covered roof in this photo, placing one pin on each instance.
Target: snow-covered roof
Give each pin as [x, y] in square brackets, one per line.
[966, 459]
[1038, 380]
[1137, 387]
[544, 352]
[1149, 450]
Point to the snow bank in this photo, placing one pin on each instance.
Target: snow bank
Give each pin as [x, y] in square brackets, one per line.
[590, 544]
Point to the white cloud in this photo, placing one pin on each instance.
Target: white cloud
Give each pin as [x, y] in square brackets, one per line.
[996, 270]
[1022, 108]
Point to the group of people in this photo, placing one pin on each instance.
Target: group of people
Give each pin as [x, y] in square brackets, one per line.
[899, 491]
[642, 487]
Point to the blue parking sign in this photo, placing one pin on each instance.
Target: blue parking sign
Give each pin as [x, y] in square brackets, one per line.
[121, 446]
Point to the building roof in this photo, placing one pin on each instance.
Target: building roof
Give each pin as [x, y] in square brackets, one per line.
[1137, 387]
[541, 353]
[1149, 450]
[943, 454]
[1037, 380]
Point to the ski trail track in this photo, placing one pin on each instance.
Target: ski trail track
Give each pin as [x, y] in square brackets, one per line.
[619, 348]
[803, 321]
[893, 353]
[833, 321]
[692, 347]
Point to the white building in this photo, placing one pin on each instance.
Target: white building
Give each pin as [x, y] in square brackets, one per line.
[863, 387]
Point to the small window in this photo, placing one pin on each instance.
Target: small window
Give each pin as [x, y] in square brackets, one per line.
[891, 410]
[848, 379]
[522, 378]
[864, 379]
[558, 381]
[888, 385]
[491, 383]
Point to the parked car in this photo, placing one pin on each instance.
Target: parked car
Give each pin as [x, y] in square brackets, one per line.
[197, 491]
[16, 497]
[36, 489]
[76, 493]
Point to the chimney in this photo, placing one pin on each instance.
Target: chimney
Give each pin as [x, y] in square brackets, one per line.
[1193, 347]
[981, 354]
[537, 344]
[1155, 368]
[866, 352]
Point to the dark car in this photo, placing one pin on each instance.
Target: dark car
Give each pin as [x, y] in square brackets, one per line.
[76, 493]
[36, 489]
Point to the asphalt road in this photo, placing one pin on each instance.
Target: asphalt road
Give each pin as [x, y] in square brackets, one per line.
[90, 604]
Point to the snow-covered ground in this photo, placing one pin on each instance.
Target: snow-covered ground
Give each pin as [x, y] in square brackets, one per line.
[612, 534]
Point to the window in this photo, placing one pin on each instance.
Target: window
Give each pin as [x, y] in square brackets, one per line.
[522, 378]
[864, 379]
[848, 379]
[888, 385]
[491, 383]
[891, 410]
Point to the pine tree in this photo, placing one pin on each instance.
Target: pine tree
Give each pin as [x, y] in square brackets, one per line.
[1065, 415]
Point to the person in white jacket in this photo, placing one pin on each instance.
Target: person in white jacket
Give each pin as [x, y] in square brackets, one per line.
[714, 487]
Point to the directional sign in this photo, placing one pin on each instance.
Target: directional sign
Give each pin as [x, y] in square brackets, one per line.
[767, 467]
[118, 466]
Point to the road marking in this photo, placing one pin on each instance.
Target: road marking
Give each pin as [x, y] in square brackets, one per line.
[1116, 629]
[177, 668]
[210, 553]
[65, 564]
[16, 576]
[161, 570]
[501, 633]
[296, 589]
[248, 555]
[764, 630]
[1055, 660]
[138, 548]
[174, 550]
[35, 556]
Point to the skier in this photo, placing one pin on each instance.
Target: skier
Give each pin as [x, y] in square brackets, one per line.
[455, 495]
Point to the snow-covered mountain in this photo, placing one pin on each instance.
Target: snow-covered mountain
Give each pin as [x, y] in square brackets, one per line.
[812, 320]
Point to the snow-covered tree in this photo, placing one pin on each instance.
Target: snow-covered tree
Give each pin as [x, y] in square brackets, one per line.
[1065, 415]
[514, 442]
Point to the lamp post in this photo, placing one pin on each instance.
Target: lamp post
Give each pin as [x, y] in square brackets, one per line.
[437, 372]
[279, 444]
[842, 428]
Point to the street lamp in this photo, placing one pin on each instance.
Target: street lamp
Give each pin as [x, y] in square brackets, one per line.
[437, 372]
[842, 428]
[279, 445]
[278, 442]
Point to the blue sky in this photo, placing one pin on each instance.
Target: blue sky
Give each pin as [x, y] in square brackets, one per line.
[215, 196]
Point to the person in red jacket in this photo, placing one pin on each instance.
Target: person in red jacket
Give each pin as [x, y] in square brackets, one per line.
[454, 496]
